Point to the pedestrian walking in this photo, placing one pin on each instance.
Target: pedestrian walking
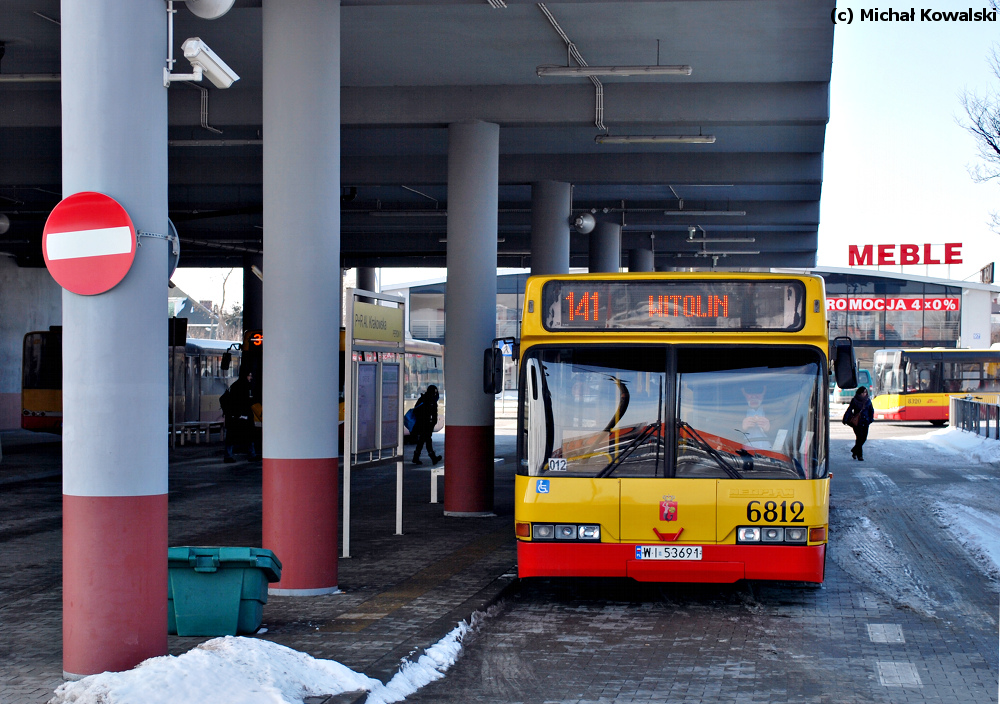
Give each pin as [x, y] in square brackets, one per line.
[237, 403]
[425, 414]
[859, 416]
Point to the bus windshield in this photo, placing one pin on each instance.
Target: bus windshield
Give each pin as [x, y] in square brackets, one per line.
[652, 411]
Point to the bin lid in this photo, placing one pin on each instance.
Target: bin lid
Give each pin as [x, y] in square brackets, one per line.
[210, 559]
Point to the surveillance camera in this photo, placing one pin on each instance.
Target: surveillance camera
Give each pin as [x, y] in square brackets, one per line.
[201, 57]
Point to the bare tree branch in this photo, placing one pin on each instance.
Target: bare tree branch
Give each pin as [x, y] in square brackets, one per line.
[983, 123]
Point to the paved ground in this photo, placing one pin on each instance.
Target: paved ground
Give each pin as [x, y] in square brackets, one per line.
[905, 614]
[400, 593]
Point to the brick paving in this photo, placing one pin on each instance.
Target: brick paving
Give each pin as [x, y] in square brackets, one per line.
[565, 641]
[400, 594]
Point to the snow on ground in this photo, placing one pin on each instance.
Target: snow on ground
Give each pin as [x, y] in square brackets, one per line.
[865, 551]
[976, 447]
[241, 670]
[976, 531]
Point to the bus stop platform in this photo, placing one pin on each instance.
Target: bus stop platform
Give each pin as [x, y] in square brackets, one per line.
[399, 594]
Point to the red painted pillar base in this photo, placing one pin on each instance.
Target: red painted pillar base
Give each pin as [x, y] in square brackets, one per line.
[300, 524]
[114, 582]
[468, 476]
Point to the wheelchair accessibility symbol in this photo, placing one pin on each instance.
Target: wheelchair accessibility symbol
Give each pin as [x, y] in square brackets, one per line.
[542, 486]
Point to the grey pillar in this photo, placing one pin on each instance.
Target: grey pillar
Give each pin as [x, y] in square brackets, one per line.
[640, 260]
[470, 307]
[114, 140]
[367, 278]
[605, 248]
[253, 293]
[301, 109]
[551, 205]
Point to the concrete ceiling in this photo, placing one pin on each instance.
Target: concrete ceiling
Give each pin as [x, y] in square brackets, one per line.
[760, 84]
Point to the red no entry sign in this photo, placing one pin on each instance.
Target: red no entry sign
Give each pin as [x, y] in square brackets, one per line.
[88, 243]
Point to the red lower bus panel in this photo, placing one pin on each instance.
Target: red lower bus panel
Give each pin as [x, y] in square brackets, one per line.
[914, 413]
[719, 563]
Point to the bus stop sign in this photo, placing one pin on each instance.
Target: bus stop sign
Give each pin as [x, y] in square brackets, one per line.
[88, 243]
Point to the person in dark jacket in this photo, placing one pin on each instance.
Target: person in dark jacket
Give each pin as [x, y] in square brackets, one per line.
[425, 416]
[236, 405]
[861, 406]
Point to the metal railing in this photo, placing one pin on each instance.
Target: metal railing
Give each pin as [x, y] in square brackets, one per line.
[975, 416]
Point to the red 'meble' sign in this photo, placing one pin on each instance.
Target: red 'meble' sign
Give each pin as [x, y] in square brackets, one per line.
[88, 243]
[907, 254]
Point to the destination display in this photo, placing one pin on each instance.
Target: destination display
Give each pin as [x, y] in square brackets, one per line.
[679, 305]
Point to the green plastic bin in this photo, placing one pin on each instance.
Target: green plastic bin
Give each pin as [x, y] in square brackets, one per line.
[218, 591]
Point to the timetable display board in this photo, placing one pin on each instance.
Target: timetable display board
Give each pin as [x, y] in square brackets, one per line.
[673, 305]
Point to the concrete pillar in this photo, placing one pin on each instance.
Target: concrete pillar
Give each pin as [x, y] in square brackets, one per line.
[605, 248]
[367, 278]
[114, 140]
[301, 107]
[253, 293]
[640, 260]
[470, 306]
[551, 205]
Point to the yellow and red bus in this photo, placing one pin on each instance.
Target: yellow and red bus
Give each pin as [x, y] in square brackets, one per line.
[915, 384]
[673, 427]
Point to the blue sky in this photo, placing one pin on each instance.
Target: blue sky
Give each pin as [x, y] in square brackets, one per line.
[895, 163]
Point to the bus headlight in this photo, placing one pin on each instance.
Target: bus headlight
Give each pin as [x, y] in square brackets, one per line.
[772, 535]
[590, 532]
[542, 531]
[565, 532]
[795, 535]
[748, 535]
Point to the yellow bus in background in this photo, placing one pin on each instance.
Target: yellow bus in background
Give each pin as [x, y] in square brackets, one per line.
[915, 384]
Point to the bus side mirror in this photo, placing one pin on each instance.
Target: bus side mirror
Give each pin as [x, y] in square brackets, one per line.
[492, 371]
[845, 367]
[227, 359]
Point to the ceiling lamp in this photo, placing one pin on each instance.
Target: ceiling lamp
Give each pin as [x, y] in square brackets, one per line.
[706, 213]
[612, 71]
[655, 139]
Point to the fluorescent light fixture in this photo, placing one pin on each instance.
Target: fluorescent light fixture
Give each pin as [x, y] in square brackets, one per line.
[655, 139]
[721, 239]
[720, 253]
[408, 213]
[613, 71]
[706, 213]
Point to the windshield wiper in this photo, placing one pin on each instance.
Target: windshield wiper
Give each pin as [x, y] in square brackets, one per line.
[712, 452]
[629, 449]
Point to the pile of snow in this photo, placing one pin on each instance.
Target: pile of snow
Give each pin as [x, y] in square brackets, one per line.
[976, 531]
[251, 671]
[974, 446]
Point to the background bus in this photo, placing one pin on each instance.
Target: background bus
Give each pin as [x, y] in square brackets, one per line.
[423, 366]
[673, 428]
[915, 384]
[196, 379]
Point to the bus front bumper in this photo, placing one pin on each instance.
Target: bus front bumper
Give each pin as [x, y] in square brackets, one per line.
[719, 563]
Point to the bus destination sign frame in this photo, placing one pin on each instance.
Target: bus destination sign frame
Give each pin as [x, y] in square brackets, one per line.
[772, 305]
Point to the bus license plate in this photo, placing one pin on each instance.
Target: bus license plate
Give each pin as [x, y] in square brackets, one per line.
[668, 552]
